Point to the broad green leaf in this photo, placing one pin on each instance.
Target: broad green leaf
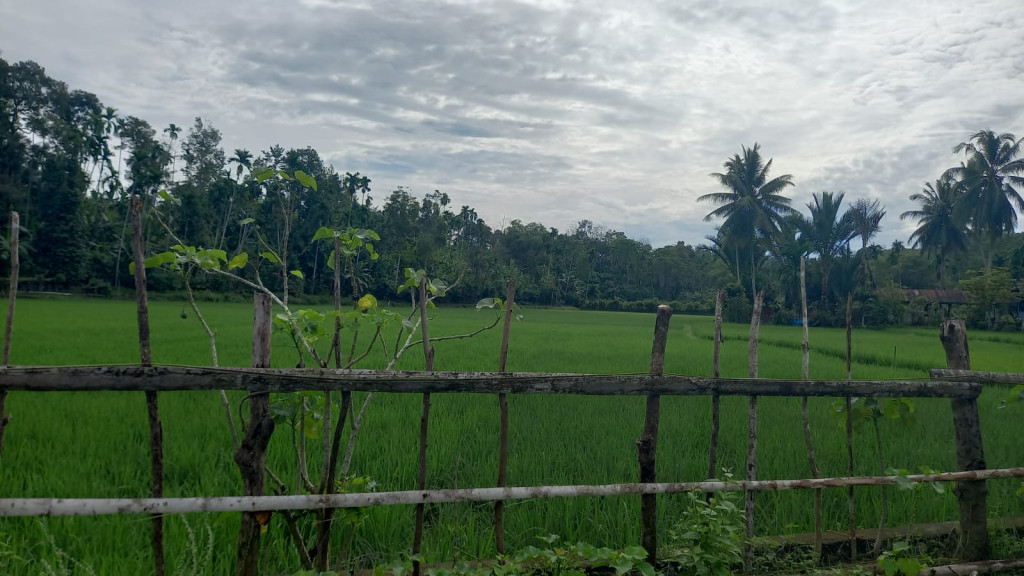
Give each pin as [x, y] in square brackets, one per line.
[167, 196]
[239, 261]
[646, 569]
[323, 233]
[264, 173]
[298, 274]
[269, 255]
[284, 175]
[367, 301]
[408, 324]
[246, 221]
[330, 260]
[305, 179]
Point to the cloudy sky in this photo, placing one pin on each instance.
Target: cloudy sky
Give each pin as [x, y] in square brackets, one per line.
[559, 111]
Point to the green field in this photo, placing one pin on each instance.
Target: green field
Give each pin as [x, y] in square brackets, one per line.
[96, 444]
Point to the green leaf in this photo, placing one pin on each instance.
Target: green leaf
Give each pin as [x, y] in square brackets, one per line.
[246, 221]
[323, 233]
[305, 179]
[298, 274]
[264, 173]
[238, 261]
[646, 569]
[489, 303]
[367, 301]
[269, 255]
[167, 196]
[284, 175]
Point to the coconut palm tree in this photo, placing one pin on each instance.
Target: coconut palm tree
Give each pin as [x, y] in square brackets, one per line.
[941, 229]
[172, 132]
[867, 222]
[243, 158]
[867, 219]
[992, 177]
[752, 206]
[828, 232]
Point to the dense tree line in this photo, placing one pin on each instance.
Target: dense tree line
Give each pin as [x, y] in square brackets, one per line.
[68, 164]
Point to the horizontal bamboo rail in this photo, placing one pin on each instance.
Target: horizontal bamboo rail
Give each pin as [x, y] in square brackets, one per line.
[170, 378]
[101, 506]
[977, 376]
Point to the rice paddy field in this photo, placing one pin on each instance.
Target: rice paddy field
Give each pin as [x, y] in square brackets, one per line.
[96, 444]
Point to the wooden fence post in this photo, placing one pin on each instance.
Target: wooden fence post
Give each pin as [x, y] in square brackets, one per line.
[421, 475]
[156, 435]
[970, 454]
[12, 296]
[716, 402]
[748, 500]
[647, 446]
[499, 506]
[251, 455]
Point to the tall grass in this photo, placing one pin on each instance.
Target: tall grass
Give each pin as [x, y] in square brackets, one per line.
[96, 444]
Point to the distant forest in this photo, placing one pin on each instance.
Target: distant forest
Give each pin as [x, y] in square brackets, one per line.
[68, 165]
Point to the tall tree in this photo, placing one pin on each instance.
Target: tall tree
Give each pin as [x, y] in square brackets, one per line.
[991, 176]
[867, 219]
[172, 131]
[752, 206]
[941, 230]
[828, 231]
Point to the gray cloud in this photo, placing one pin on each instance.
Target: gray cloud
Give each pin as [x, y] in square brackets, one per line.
[559, 111]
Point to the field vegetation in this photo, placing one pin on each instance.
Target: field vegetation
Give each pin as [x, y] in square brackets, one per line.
[96, 445]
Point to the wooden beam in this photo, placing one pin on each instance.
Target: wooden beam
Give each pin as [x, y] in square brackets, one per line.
[977, 376]
[100, 507]
[168, 378]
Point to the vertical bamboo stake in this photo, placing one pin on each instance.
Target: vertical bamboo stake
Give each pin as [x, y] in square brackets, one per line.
[970, 454]
[421, 479]
[251, 455]
[499, 506]
[647, 446]
[748, 507]
[715, 399]
[328, 474]
[12, 296]
[851, 509]
[156, 448]
[805, 416]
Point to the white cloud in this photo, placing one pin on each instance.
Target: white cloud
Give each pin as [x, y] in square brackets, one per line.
[559, 111]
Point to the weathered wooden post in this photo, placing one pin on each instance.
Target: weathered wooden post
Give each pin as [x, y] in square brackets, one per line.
[156, 435]
[421, 475]
[970, 455]
[499, 506]
[12, 296]
[251, 455]
[716, 402]
[804, 413]
[748, 500]
[647, 446]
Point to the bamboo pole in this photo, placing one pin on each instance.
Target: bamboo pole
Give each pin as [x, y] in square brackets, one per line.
[251, 455]
[499, 506]
[107, 506]
[180, 378]
[156, 444]
[970, 453]
[805, 416]
[716, 402]
[748, 503]
[12, 296]
[647, 446]
[850, 508]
